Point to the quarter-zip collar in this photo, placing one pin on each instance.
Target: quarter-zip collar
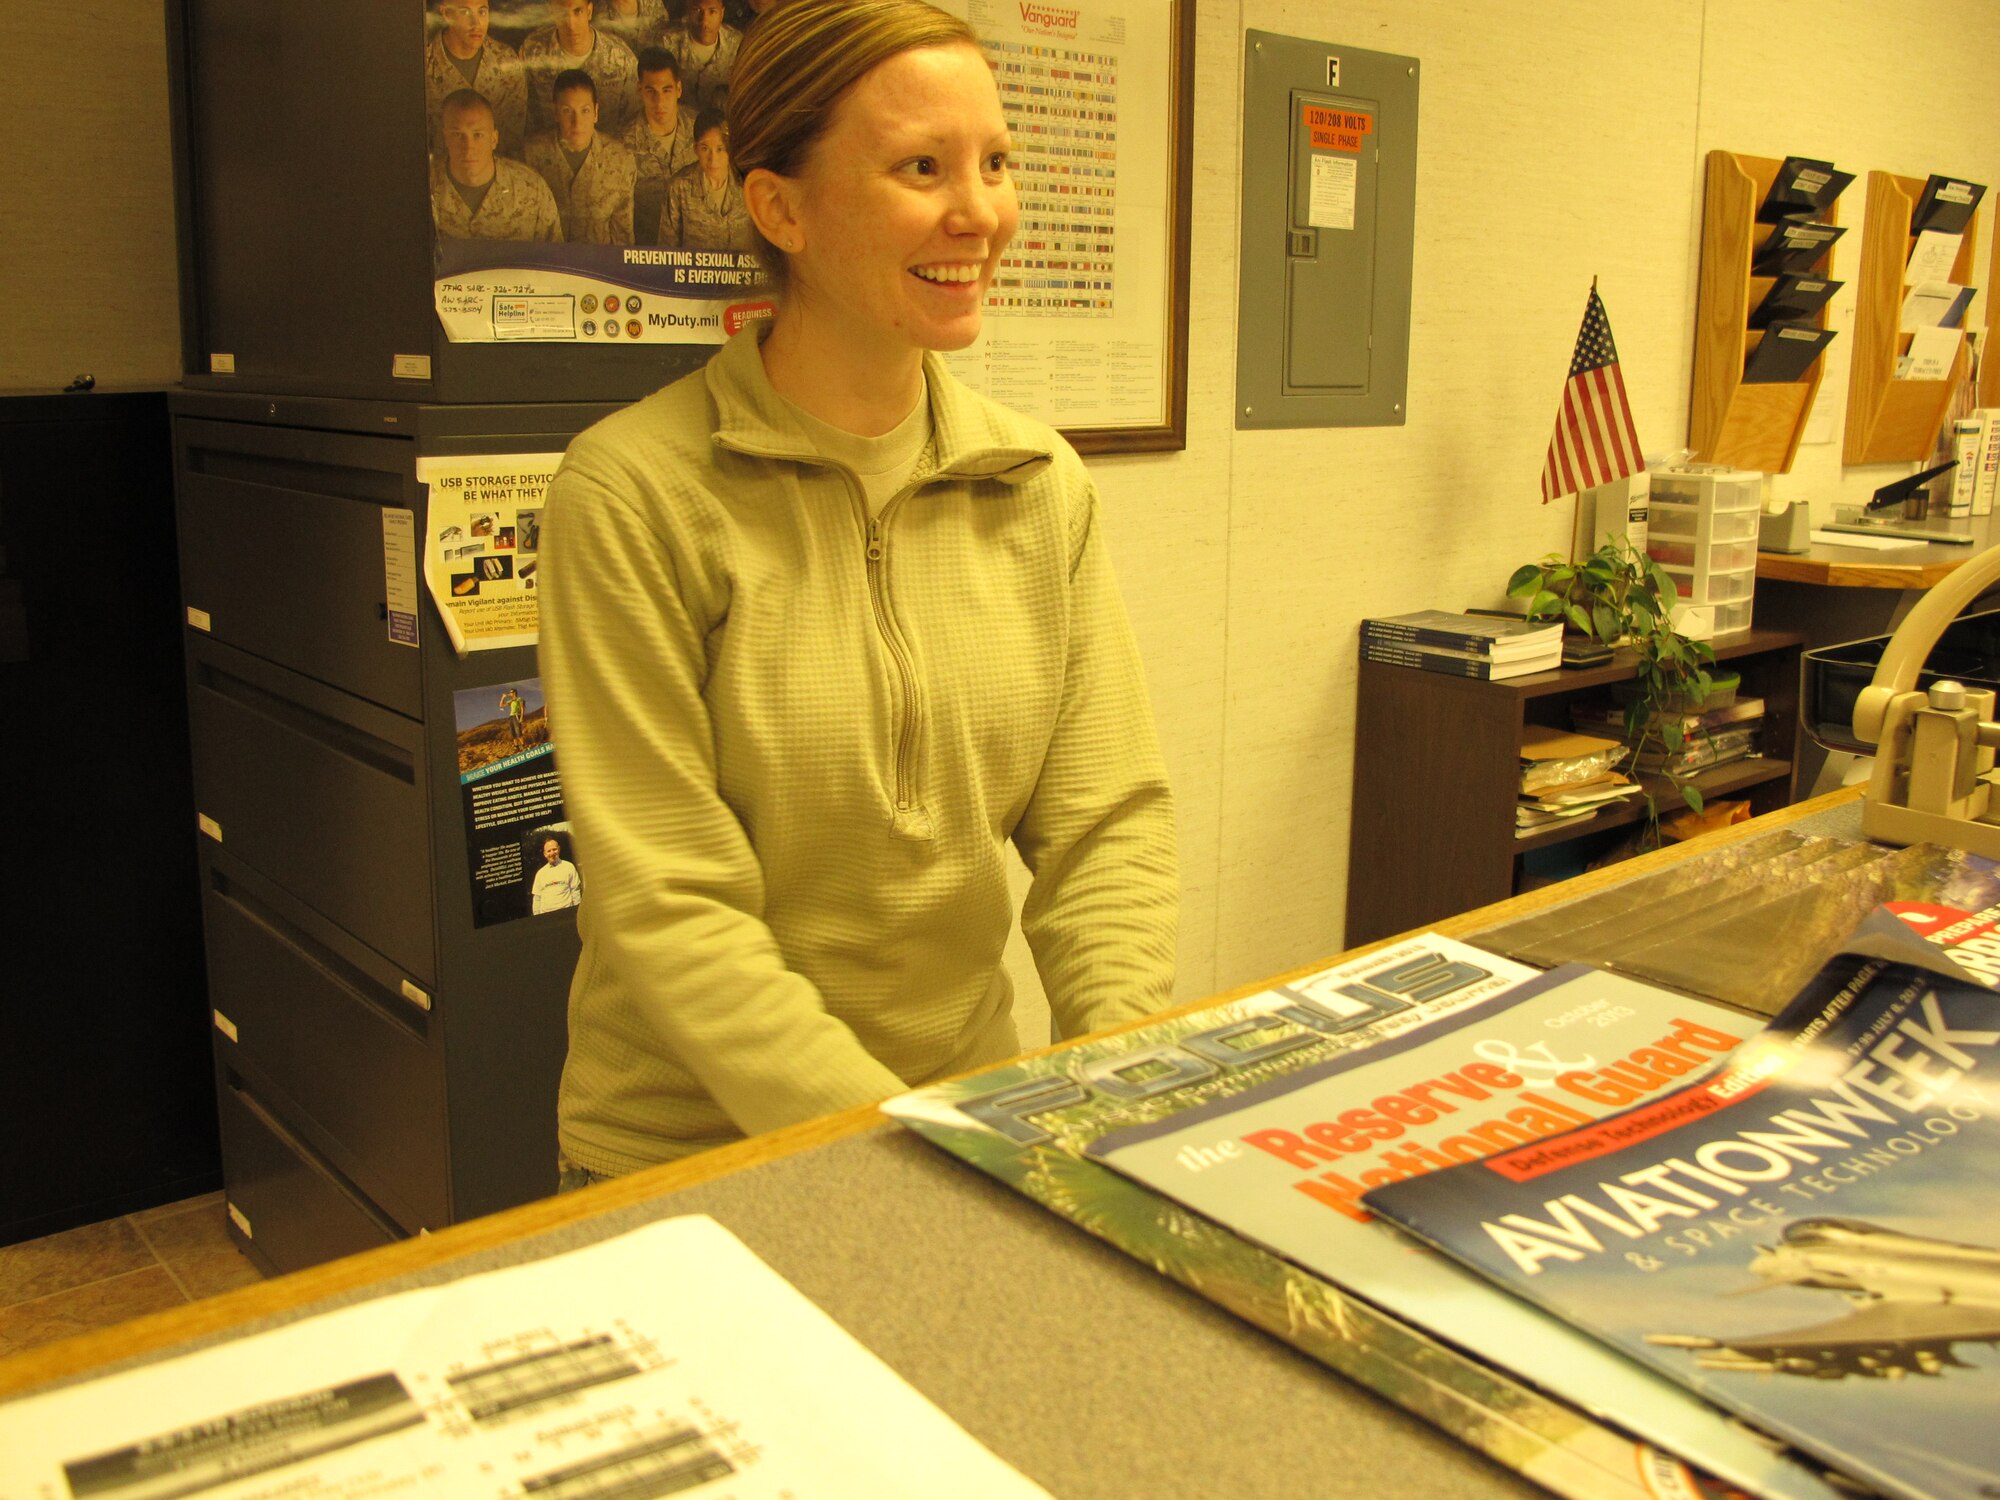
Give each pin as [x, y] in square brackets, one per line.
[966, 443]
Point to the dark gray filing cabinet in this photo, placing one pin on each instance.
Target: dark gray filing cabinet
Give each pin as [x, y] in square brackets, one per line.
[383, 1065]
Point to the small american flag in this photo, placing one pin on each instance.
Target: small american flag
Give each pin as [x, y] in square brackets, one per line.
[1595, 441]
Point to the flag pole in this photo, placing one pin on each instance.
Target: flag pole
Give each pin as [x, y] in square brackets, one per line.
[1576, 501]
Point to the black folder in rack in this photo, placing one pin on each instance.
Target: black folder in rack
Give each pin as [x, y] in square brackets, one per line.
[1803, 188]
[1793, 298]
[1946, 205]
[1785, 353]
[1796, 246]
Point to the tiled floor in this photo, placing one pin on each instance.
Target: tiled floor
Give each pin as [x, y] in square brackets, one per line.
[100, 1274]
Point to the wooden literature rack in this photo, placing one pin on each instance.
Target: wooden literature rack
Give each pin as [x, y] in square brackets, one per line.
[1891, 420]
[1989, 365]
[1746, 426]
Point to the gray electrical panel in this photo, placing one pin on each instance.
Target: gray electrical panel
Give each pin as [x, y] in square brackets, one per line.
[1329, 221]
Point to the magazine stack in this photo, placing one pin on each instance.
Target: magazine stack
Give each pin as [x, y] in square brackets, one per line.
[1841, 1167]
[1567, 778]
[1713, 737]
[1241, 1172]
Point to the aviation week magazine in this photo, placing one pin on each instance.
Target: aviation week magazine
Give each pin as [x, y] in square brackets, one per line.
[1839, 1170]
[1249, 1131]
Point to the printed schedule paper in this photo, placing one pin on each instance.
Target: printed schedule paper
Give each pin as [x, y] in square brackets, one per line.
[670, 1360]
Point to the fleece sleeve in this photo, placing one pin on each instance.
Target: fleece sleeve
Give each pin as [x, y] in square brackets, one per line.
[674, 894]
[1098, 832]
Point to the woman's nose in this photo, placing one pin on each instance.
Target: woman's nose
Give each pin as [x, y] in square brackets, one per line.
[976, 207]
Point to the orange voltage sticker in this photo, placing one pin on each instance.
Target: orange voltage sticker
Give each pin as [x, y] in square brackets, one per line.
[1337, 129]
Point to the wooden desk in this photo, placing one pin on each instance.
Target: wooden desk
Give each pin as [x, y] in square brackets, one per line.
[1861, 568]
[1917, 566]
[1070, 1360]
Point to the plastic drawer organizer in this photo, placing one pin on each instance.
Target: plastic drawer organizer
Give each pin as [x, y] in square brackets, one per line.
[1703, 531]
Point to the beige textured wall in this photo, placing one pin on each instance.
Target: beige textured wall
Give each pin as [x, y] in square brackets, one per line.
[1558, 139]
[87, 280]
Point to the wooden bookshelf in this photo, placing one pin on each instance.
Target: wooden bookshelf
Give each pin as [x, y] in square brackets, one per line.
[1745, 426]
[1989, 367]
[1437, 772]
[1891, 420]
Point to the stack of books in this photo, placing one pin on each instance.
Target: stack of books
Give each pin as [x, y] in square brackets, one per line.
[1699, 752]
[1708, 739]
[1493, 647]
[1567, 778]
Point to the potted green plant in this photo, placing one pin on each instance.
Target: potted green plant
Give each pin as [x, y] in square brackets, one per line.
[1621, 597]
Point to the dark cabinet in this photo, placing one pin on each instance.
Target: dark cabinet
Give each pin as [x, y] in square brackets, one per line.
[105, 1105]
[384, 1064]
[305, 217]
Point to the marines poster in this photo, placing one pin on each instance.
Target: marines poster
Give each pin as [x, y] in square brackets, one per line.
[579, 171]
[1809, 1239]
[482, 545]
[582, 188]
[517, 839]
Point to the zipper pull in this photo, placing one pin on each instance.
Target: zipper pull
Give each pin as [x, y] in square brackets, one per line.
[874, 538]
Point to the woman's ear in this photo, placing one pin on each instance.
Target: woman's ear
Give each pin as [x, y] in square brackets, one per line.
[773, 204]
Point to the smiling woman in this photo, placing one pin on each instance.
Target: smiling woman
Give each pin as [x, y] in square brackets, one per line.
[889, 234]
[882, 219]
[822, 631]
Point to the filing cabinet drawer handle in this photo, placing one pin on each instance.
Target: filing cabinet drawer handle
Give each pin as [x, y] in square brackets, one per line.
[301, 476]
[344, 739]
[396, 1006]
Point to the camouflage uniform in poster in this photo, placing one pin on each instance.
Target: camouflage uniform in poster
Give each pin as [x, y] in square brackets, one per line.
[659, 162]
[595, 201]
[704, 70]
[610, 64]
[692, 221]
[498, 77]
[639, 28]
[518, 206]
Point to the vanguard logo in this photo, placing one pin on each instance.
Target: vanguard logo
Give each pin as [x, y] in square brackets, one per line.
[1049, 16]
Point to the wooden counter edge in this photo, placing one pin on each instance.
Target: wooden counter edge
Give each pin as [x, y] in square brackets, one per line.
[1793, 568]
[23, 1372]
